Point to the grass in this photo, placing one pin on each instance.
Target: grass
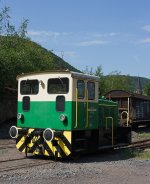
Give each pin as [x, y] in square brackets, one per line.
[140, 154]
[144, 135]
[140, 134]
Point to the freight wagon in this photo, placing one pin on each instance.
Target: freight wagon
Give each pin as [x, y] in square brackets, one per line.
[134, 109]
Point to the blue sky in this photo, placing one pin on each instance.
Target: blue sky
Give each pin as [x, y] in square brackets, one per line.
[112, 33]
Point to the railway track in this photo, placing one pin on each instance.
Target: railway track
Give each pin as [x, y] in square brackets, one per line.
[144, 144]
[10, 163]
[20, 163]
[6, 146]
[6, 142]
[15, 164]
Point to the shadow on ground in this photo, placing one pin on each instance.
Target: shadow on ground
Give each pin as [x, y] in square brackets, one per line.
[103, 156]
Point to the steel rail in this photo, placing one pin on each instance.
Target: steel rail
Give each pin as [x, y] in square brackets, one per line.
[23, 165]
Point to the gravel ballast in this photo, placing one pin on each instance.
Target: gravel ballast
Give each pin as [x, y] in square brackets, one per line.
[106, 168]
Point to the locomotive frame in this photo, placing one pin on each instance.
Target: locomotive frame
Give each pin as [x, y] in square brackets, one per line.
[60, 115]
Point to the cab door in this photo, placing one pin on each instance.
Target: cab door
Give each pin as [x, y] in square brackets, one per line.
[80, 105]
[91, 105]
[86, 104]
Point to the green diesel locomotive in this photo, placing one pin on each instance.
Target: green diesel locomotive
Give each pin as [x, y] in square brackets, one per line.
[60, 114]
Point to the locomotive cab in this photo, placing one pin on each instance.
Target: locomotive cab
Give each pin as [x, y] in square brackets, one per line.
[51, 107]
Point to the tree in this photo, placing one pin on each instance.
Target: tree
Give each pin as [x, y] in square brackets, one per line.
[98, 72]
[22, 32]
[7, 29]
[147, 89]
[88, 71]
[117, 81]
[18, 55]
[102, 84]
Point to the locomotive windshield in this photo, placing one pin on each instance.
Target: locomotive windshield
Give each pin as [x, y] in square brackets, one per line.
[58, 86]
[29, 87]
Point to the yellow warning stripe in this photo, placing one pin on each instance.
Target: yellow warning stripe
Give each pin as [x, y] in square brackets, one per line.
[63, 148]
[20, 143]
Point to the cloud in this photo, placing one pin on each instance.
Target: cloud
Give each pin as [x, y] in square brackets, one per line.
[77, 39]
[43, 33]
[146, 40]
[104, 35]
[92, 42]
[45, 36]
[146, 28]
[93, 39]
[113, 34]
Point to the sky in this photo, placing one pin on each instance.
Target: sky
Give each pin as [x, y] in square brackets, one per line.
[114, 34]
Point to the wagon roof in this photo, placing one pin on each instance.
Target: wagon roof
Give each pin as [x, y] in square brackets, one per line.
[124, 94]
[73, 74]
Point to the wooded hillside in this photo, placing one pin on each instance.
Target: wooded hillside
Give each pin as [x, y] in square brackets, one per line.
[18, 55]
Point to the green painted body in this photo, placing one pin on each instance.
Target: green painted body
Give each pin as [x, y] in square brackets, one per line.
[44, 115]
[89, 116]
[108, 113]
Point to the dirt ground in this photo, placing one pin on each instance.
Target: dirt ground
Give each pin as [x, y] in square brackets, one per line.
[106, 168]
[113, 167]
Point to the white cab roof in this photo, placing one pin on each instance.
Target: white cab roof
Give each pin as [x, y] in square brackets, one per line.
[67, 72]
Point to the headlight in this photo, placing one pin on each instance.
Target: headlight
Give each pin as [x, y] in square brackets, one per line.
[19, 116]
[62, 117]
[13, 132]
[48, 134]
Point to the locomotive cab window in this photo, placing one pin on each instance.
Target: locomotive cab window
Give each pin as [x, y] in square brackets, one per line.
[81, 89]
[29, 87]
[58, 86]
[26, 103]
[60, 103]
[91, 90]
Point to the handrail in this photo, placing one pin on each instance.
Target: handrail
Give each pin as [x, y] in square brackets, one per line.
[128, 111]
[87, 107]
[112, 128]
[126, 118]
[76, 108]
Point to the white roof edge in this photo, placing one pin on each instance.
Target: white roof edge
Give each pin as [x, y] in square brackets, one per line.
[73, 74]
[43, 72]
[84, 76]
